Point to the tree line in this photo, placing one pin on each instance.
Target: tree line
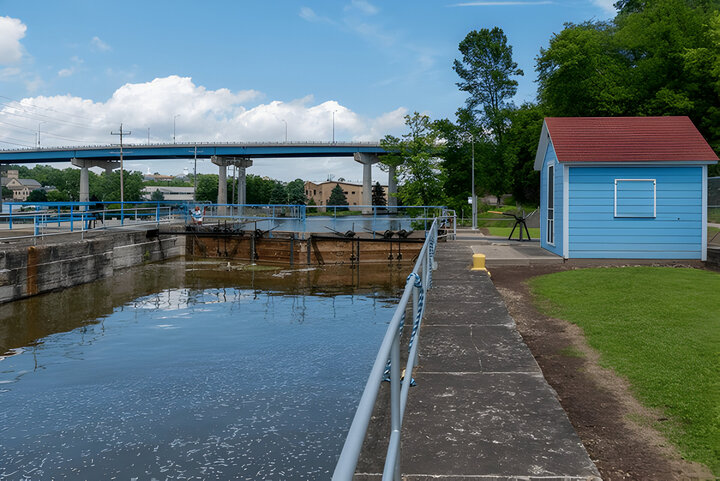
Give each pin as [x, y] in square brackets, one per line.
[656, 57]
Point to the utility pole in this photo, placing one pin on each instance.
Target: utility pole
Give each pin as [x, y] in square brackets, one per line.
[122, 171]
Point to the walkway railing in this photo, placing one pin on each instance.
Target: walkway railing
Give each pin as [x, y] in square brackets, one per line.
[388, 356]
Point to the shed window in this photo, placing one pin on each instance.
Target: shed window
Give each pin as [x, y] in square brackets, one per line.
[550, 235]
[635, 198]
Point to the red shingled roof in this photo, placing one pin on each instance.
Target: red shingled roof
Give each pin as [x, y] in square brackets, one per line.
[627, 139]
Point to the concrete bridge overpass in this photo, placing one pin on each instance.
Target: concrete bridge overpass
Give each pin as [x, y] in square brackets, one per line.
[221, 154]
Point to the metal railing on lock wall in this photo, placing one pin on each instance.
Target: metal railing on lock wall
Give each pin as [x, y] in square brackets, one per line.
[388, 362]
[56, 218]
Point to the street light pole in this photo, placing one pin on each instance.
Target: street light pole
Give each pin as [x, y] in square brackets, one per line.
[174, 118]
[333, 141]
[474, 198]
[285, 129]
[38, 134]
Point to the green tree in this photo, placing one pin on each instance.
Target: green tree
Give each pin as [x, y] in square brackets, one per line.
[258, 190]
[584, 73]
[157, 196]
[521, 146]
[6, 193]
[378, 195]
[337, 197]
[57, 196]
[296, 192]
[207, 188]
[420, 169]
[37, 195]
[279, 194]
[487, 70]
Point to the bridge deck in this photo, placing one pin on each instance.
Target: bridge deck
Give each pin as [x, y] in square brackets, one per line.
[482, 408]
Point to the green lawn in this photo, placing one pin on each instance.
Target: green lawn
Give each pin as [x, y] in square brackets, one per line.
[660, 328]
[505, 231]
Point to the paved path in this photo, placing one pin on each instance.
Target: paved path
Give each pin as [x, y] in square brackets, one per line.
[481, 409]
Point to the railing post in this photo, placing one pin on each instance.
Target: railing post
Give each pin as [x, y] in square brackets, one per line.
[122, 213]
[157, 214]
[395, 421]
[10, 216]
[72, 221]
[58, 216]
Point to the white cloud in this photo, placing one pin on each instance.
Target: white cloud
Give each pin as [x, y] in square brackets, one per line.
[205, 115]
[99, 44]
[307, 13]
[363, 6]
[608, 6]
[11, 31]
[66, 72]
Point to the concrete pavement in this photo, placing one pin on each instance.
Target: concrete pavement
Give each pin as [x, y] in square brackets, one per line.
[481, 408]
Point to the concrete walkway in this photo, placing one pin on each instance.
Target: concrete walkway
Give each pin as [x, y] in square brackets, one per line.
[481, 408]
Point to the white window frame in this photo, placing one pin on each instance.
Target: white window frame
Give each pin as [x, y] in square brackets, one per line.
[550, 234]
[654, 183]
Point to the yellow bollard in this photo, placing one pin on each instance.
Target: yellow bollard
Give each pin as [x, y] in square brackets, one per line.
[479, 263]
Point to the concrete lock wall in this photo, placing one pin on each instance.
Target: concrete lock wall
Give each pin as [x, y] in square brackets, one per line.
[29, 270]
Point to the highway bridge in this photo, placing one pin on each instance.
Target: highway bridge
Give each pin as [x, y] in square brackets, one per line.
[222, 154]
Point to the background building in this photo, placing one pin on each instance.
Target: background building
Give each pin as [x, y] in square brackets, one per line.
[21, 188]
[320, 192]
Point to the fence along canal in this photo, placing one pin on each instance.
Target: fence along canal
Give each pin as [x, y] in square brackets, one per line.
[387, 362]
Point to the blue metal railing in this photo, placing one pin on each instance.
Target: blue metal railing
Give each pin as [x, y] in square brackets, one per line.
[418, 282]
[64, 216]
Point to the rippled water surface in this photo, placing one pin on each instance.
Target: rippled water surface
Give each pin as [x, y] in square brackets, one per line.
[215, 375]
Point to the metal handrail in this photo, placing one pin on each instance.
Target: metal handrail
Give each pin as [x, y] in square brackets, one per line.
[390, 349]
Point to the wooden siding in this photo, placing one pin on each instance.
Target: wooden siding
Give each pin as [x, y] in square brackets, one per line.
[557, 246]
[674, 233]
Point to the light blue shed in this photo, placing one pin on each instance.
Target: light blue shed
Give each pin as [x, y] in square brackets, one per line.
[623, 187]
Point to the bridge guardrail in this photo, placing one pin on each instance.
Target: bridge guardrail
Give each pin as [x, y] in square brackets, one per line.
[386, 362]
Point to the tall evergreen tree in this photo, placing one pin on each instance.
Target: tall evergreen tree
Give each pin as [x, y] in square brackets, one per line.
[378, 195]
[338, 197]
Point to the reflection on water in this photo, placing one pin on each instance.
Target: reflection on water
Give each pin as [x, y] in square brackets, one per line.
[206, 378]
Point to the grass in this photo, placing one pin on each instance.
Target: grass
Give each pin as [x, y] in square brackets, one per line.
[713, 237]
[660, 328]
[505, 231]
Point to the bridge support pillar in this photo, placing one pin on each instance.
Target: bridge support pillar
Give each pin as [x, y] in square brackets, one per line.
[367, 160]
[392, 189]
[85, 165]
[241, 163]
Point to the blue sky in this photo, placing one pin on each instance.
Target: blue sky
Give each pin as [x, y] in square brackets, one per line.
[241, 70]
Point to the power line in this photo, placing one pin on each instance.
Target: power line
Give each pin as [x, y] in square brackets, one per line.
[43, 118]
[45, 108]
[15, 143]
